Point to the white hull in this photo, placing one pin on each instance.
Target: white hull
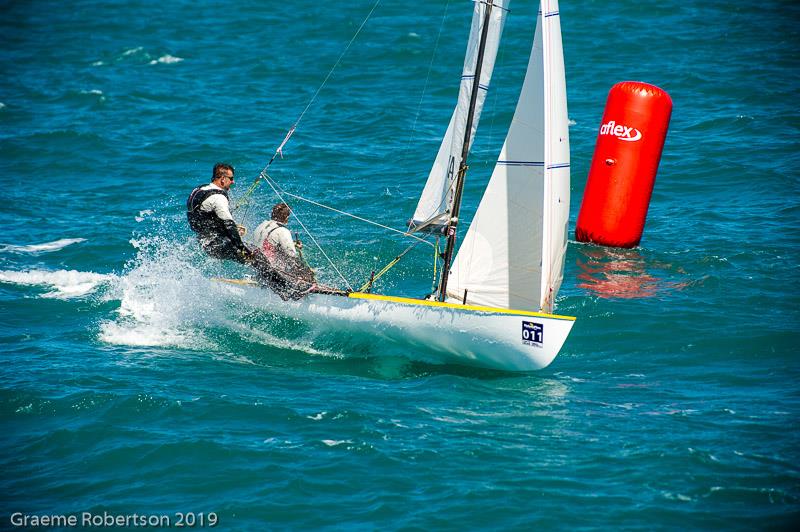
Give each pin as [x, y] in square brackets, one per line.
[430, 331]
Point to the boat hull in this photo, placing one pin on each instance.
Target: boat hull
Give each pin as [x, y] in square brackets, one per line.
[434, 332]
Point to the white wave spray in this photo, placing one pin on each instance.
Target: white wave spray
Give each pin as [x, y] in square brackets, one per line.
[62, 284]
[46, 247]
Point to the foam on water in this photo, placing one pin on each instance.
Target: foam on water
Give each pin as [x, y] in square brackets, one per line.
[143, 215]
[97, 93]
[63, 284]
[160, 303]
[46, 247]
[166, 300]
[166, 60]
[264, 338]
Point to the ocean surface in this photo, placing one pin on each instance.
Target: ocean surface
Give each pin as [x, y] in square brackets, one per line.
[131, 383]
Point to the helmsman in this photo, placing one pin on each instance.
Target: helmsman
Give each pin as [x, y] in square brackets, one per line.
[209, 214]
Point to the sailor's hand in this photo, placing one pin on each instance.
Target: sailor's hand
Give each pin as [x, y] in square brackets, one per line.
[242, 230]
[298, 245]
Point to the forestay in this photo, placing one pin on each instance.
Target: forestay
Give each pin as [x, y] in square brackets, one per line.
[437, 197]
[513, 253]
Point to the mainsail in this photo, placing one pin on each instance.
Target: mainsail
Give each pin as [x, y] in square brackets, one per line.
[513, 253]
[437, 197]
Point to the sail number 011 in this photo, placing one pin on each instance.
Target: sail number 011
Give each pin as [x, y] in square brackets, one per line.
[532, 333]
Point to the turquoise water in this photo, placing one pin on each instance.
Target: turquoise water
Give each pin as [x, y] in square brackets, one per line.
[130, 383]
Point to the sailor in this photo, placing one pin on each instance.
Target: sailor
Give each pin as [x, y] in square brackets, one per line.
[208, 210]
[278, 259]
[273, 237]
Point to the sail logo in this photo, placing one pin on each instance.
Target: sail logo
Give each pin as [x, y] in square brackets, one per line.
[533, 333]
[628, 134]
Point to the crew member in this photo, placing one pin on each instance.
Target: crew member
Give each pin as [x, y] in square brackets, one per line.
[208, 210]
[278, 258]
[273, 237]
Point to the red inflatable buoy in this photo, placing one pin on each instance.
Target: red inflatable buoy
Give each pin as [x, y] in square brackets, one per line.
[624, 165]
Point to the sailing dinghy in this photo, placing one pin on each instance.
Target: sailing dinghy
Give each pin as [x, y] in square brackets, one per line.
[495, 297]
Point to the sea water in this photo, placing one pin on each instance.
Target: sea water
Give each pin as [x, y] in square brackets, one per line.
[133, 384]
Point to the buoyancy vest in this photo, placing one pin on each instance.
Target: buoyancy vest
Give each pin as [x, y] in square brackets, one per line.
[204, 223]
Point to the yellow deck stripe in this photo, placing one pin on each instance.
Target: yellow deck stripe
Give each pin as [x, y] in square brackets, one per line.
[423, 302]
[243, 282]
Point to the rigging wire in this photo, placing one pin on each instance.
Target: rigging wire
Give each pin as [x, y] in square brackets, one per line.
[444, 206]
[269, 181]
[374, 277]
[436, 258]
[408, 144]
[312, 202]
[279, 150]
[244, 200]
[280, 193]
[427, 79]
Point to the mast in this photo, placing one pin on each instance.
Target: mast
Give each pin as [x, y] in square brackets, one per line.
[462, 168]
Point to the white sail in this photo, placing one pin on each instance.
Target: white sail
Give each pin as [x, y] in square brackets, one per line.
[513, 253]
[437, 197]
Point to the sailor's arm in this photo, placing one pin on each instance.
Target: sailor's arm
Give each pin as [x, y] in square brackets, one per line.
[285, 241]
[220, 206]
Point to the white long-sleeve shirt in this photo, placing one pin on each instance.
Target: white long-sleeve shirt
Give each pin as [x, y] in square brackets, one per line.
[277, 235]
[217, 203]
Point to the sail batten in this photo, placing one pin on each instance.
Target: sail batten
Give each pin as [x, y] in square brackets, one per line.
[439, 192]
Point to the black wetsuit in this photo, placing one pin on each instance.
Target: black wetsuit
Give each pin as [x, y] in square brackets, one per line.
[219, 238]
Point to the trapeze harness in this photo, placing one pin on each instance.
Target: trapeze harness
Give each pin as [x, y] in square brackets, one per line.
[286, 275]
[268, 248]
